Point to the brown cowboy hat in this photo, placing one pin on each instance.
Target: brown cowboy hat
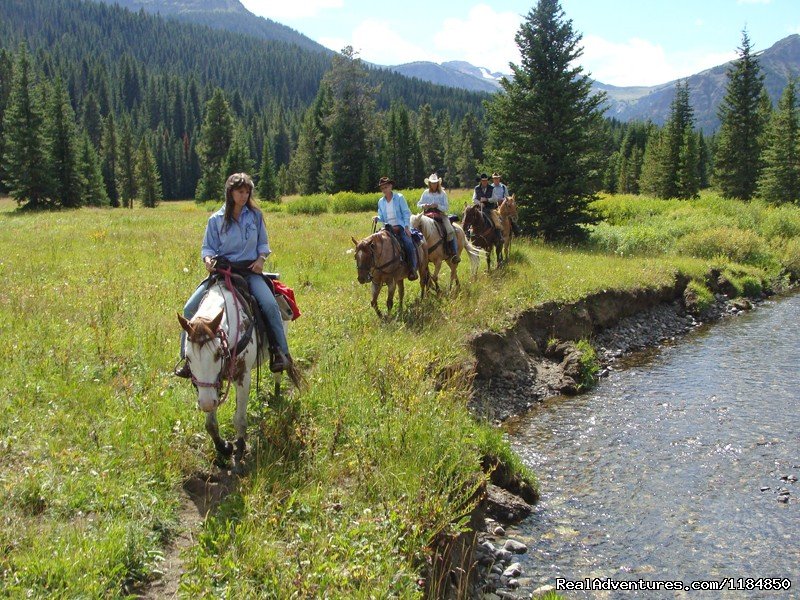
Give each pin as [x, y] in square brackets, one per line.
[385, 180]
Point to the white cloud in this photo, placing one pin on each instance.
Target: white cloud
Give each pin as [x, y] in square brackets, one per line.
[641, 62]
[281, 10]
[496, 48]
[376, 41]
[383, 43]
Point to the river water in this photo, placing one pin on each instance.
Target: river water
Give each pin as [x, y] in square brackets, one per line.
[671, 469]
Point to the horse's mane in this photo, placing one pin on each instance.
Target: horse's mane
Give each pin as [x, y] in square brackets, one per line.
[214, 300]
[425, 224]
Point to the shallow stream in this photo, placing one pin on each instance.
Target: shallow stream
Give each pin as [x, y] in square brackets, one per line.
[673, 468]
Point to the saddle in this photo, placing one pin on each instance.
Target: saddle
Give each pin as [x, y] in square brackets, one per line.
[239, 272]
[438, 218]
[416, 238]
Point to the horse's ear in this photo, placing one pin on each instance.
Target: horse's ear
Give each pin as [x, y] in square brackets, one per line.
[184, 323]
[354, 240]
[214, 325]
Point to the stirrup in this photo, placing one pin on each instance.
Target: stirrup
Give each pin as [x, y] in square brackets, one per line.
[278, 361]
[182, 370]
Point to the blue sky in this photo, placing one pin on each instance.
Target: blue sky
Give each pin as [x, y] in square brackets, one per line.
[626, 42]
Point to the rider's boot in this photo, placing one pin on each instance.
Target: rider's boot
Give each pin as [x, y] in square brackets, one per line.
[412, 273]
[182, 370]
[455, 258]
[278, 361]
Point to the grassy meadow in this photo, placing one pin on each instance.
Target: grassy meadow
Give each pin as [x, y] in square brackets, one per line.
[352, 479]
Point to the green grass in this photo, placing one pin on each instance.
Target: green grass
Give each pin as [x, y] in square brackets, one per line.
[352, 478]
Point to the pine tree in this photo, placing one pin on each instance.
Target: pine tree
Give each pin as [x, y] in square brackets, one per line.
[349, 121]
[550, 124]
[126, 166]
[148, 181]
[6, 75]
[94, 191]
[62, 138]
[216, 135]
[24, 158]
[267, 181]
[92, 119]
[430, 143]
[238, 158]
[737, 157]
[109, 151]
[672, 158]
[780, 178]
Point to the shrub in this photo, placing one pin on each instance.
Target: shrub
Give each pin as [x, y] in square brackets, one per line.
[631, 240]
[590, 365]
[751, 286]
[734, 244]
[702, 297]
[308, 205]
[782, 221]
[342, 202]
[790, 257]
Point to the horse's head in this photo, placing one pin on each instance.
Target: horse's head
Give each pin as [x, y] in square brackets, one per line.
[367, 251]
[206, 352]
[472, 216]
[509, 207]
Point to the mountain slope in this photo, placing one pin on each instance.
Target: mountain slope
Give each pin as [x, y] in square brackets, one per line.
[779, 63]
[229, 15]
[445, 75]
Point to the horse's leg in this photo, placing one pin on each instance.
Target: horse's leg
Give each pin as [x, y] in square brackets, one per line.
[454, 276]
[376, 289]
[277, 391]
[390, 295]
[240, 416]
[224, 448]
[401, 292]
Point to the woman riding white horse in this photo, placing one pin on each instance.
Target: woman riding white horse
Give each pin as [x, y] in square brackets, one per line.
[236, 232]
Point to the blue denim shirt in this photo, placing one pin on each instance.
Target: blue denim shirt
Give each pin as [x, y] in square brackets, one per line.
[401, 210]
[242, 240]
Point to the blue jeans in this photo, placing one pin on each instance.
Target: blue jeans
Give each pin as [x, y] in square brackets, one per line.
[408, 244]
[264, 297]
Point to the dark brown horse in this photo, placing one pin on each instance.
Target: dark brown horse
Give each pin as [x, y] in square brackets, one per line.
[378, 260]
[483, 233]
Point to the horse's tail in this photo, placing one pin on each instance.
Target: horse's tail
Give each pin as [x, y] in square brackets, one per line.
[475, 254]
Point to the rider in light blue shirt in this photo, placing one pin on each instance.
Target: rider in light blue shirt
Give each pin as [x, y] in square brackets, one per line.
[237, 233]
[393, 212]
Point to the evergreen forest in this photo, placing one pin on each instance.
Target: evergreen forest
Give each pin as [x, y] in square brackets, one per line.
[103, 106]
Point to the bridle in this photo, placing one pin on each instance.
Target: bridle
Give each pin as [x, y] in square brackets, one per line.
[227, 363]
[373, 260]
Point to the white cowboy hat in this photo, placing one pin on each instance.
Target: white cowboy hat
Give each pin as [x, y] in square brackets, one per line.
[434, 178]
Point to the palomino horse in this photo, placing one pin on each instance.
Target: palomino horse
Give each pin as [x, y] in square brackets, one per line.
[223, 344]
[378, 261]
[508, 211]
[483, 233]
[436, 249]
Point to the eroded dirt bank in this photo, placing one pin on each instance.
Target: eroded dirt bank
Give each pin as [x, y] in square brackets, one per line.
[537, 357]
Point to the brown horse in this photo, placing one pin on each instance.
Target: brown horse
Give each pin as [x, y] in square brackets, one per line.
[483, 233]
[508, 211]
[436, 249]
[378, 261]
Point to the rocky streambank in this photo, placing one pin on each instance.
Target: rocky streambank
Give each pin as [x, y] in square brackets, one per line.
[540, 356]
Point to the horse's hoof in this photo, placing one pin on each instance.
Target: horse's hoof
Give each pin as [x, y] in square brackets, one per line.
[240, 449]
[224, 449]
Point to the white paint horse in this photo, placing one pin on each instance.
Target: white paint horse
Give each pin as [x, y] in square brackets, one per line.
[223, 345]
[436, 249]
